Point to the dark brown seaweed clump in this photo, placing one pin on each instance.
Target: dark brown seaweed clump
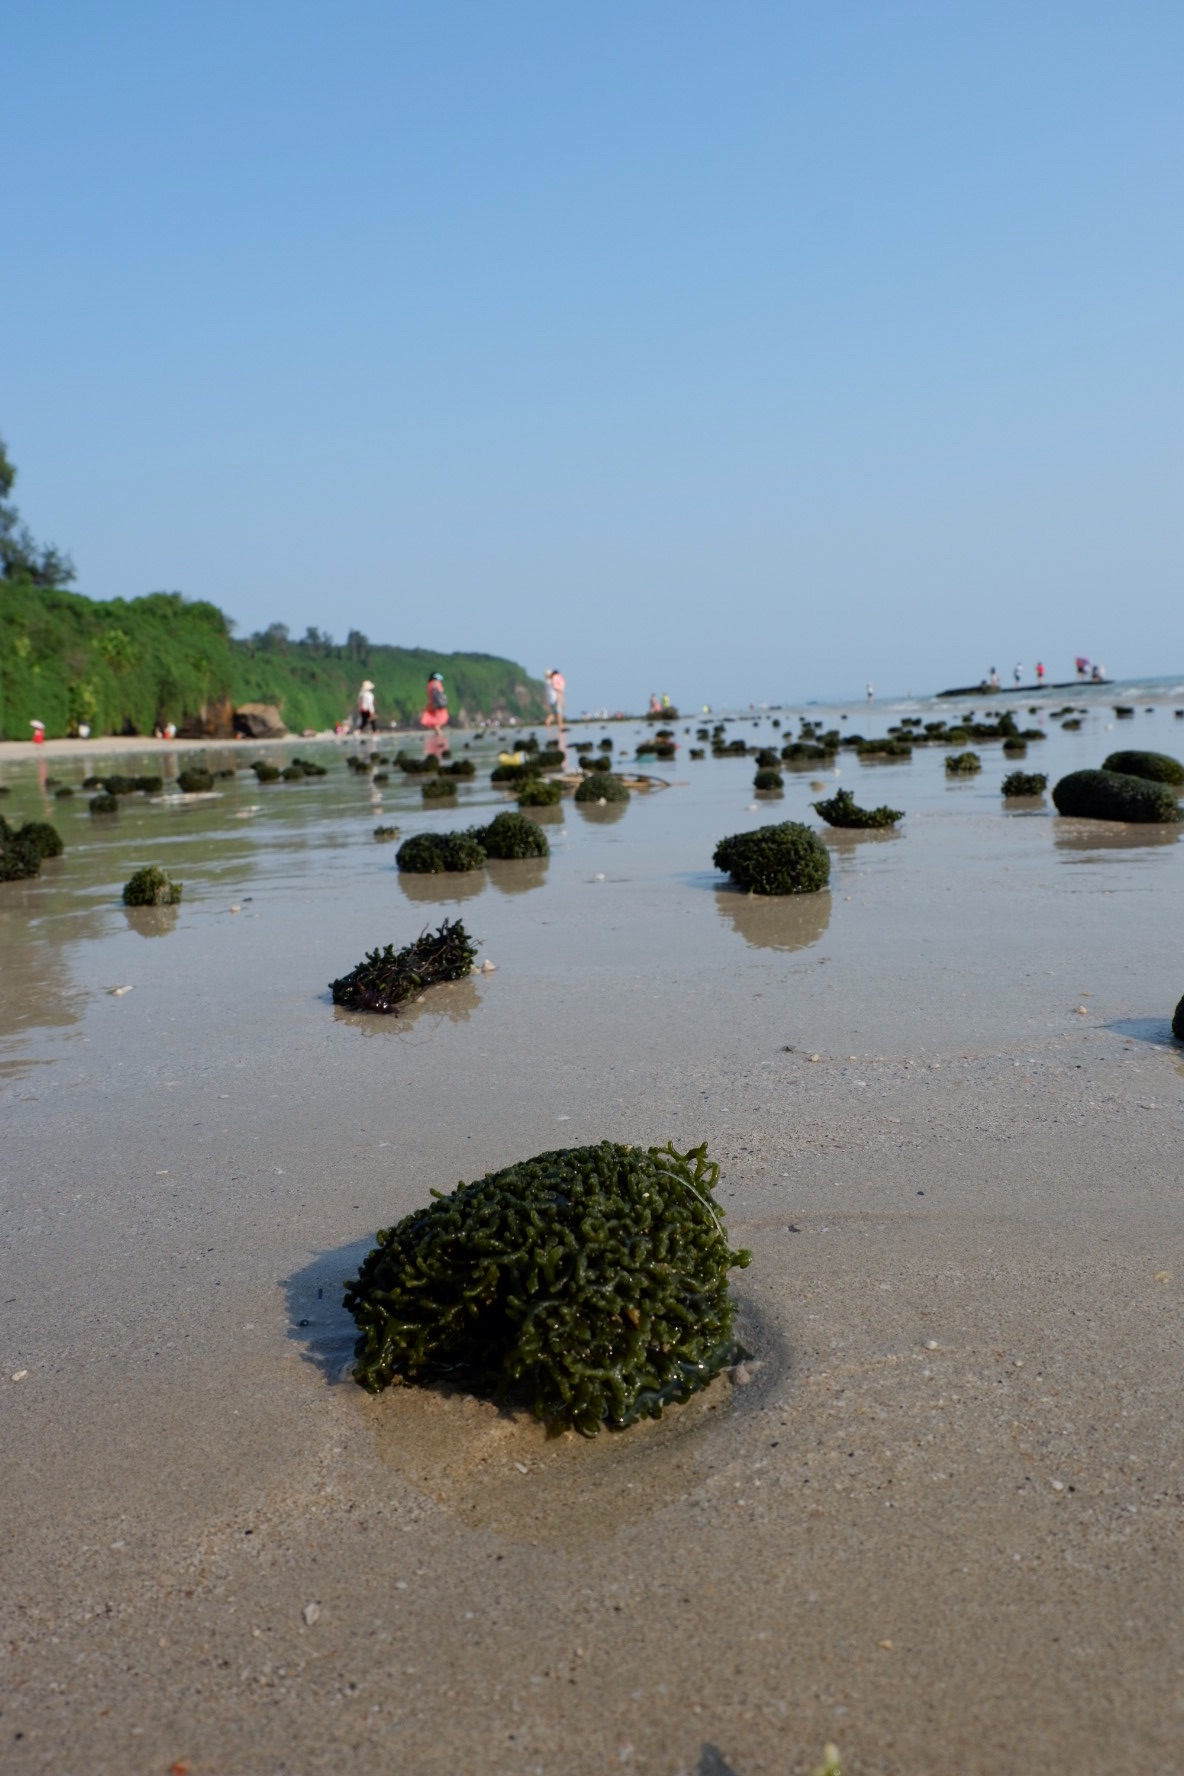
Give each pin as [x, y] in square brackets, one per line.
[785, 859]
[387, 977]
[1025, 783]
[1111, 795]
[433, 854]
[23, 849]
[1157, 767]
[196, 782]
[841, 810]
[1178, 1022]
[591, 1280]
[151, 887]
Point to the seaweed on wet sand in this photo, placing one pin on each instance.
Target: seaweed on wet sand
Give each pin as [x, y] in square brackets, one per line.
[385, 833]
[1157, 767]
[784, 859]
[511, 836]
[1178, 1022]
[23, 849]
[151, 887]
[768, 780]
[195, 782]
[841, 810]
[540, 792]
[602, 786]
[104, 804]
[432, 853]
[387, 977]
[437, 789]
[1112, 795]
[1024, 783]
[963, 764]
[591, 1280]
[265, 772]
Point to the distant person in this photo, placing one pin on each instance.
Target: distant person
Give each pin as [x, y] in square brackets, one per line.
[655, 703]
[367, 714]
[556, 691]
[1097, 674]
[993, 678]
[1082, 665]
[871, 693]
[1040, 672]
[1017, 673]
[435, 713]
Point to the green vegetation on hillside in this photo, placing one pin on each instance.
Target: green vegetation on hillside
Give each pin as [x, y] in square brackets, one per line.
[131, 665]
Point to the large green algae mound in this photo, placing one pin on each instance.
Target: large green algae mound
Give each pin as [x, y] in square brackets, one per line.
[23, 849]
[1157, 767]
[512, 835]
[432, 854]
[594, 1280]
[784, 859]
[602, 786]
[841, 809]
[151, 887]
[1111, 795]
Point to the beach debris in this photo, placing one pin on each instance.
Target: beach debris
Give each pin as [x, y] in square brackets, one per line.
[785, 859]
[593, 1281]
[1024, 783]
[118, 992]
[433, 854]
[841, 810]
[1113, 795]
[602, 786]
[152, 887]
[1157, 767]
[310, 1613]
[195, 782]
[830, 1765]
[512, 835]
[20, 1374]
[963, 764]
[386, 977]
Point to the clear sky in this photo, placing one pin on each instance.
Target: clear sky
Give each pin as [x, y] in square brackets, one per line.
[742, 351]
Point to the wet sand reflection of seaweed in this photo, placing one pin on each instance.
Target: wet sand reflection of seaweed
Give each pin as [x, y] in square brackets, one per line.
[775, 922]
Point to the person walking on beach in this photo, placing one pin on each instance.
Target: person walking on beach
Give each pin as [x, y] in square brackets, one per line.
[556, 688]
[1040, 672]
[367, 714]
[1017, 673]
[435, 713]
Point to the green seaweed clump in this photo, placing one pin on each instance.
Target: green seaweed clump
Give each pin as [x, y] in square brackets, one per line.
[889, 748]
[514, 773]
[151, 887]
[62, 793]
[841, 810]
[265, 773]
[384, 833]
[92, 782]
[540, 792]
[150, 785]
[118, 785]
[768, 779]
[387, 977]
[512, 835]
[1110, 795]
[411, 766]
[460, 768]
[23, 849]
[436, 854]
[310, 769]
[196, 782]
[104, 804]
[963, 764]
[591, 1280]
[785, 859]
[602, 786]
[1157, 767]
[1178, 1022]
[1025, 783]
[437, 789]
[293, 773]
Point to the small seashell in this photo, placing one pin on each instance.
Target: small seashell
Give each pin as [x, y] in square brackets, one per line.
[311, 1613]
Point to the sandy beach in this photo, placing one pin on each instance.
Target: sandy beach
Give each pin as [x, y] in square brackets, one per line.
[936, 1518]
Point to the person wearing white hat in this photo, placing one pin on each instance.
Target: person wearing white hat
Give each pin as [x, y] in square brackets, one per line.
[367, 717]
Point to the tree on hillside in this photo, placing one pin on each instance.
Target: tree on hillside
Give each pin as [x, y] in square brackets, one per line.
[21, 557]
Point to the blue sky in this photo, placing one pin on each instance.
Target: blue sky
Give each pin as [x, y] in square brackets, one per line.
[742, 352]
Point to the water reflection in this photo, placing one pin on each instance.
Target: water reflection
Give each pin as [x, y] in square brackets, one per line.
[151, 921]
[1096, 836]
[775, 921]
[518, 875]
[453, 1001]
[601, 813]
[448, 885]
[846, 838]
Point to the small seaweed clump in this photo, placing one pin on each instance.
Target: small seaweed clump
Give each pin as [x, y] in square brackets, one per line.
[435, 854]
[23, 849]
[151, 887]
[1111, 795]
[512, 835]
[841, 810]
[602, 786]
[1157, 767]
[593, 1280]
[383, 833]
[1025, 783]
[768, 779]
[540, 792]
[785, 859]
[265, 773]
[437, 789]
[387, 977]
[963, 764]
[196, 782]
[104, 804]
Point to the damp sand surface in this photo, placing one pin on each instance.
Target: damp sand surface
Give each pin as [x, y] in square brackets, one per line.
[936, 1517]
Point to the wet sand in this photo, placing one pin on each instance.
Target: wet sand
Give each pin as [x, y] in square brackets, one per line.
[935, 1520]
